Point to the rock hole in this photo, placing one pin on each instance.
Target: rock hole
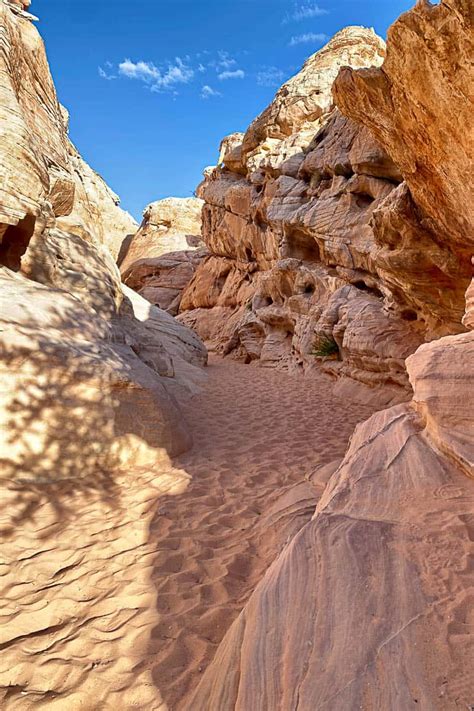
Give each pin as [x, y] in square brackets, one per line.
[360, 284]
[261, 302]
[409, 315]
[363, 200]
[15, 242]
[298, 245]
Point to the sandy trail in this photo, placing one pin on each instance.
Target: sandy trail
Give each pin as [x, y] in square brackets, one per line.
[117, 596]
[257, 432]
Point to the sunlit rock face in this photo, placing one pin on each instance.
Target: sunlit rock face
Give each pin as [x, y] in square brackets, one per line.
[73, 340]
[369, 605]
[160, 260]
[318, 241]
[43, 176]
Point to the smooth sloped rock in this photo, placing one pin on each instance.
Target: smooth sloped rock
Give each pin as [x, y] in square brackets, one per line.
[168, 225]
[367, 605]
[73, 401]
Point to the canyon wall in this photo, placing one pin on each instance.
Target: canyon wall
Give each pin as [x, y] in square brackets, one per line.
[160, 260]
[321, 253]
[89, 370]
[370, 605]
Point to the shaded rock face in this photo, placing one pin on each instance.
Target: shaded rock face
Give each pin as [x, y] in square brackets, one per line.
[315, 236]
[160, 260]
[370, 605]
[89, 371]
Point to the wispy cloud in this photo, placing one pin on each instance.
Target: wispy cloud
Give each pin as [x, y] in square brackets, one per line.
[207, 92]
[158, 79]
[225, 61]
[304, 11]
[236, 74]
[314, 38]
[145, 71]
[270, 76]
[105, 75]
[204, 67]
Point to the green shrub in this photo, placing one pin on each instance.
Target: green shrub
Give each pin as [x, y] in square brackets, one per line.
[324, 347]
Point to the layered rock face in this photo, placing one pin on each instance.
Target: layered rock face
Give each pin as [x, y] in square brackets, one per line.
[318, 250]
[370, 605]
[43, 177]
[89, 371]
[160, 260]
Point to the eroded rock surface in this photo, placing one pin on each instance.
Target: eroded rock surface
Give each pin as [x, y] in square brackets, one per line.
[90, 376]
[319, 253]
[160, 260]
[43, 176]
[76, 332]
[370, 605]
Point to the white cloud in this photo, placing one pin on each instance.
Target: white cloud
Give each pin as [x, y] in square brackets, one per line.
[207, 92]
[225, 61]
[236, 74]
[270, 76]
[145, 71]
[179, 73]
[305, 11]
[159, 79]
[308, 37]
[104, 75]
[168, 76]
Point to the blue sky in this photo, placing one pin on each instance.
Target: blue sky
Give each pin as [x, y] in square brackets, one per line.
[153, 85]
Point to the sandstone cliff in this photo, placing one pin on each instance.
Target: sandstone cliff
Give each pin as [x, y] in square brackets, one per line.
[160, 260]
[90, 376]
[319, 254]
[79, 343]
[370, 605]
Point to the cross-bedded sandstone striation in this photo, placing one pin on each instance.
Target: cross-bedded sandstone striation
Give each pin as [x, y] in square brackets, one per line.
[315, 231]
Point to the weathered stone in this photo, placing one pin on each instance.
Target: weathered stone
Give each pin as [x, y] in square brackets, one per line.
[298, 226]
[74, 350]
[160, 260]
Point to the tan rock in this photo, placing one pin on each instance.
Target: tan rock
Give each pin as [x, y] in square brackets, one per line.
[78, 350]
[297, 228]
[320, 189]
[160, 260]
[39, 164]
[96, 208]
[431, 42]
[162, 280]
[168, 225]
[367, 606]
[369, 580]
[73, 402]
[307, 96]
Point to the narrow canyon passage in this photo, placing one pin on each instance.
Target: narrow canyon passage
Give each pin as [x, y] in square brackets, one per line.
[117, 589]
[257, 433]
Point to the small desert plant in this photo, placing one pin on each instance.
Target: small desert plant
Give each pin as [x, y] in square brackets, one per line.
[325, 346]
[248, 305]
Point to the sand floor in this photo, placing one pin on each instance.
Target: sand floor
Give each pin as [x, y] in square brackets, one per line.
[116, 597]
